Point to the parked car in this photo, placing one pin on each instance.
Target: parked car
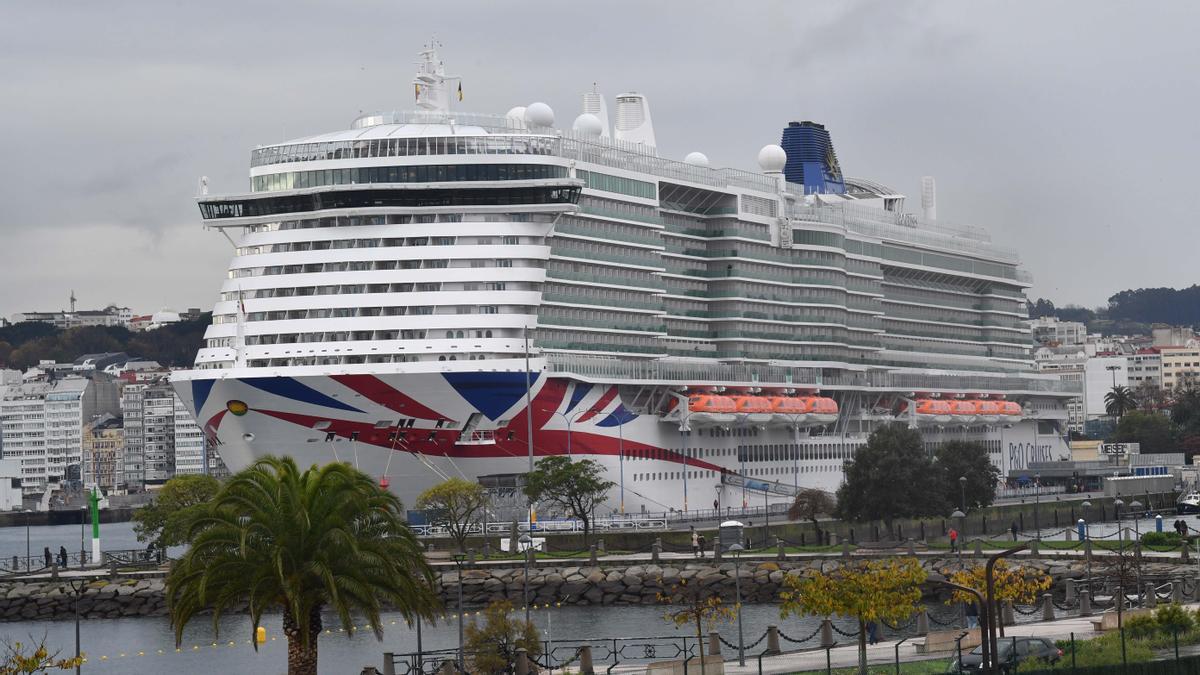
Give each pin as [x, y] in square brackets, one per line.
[1026, 648]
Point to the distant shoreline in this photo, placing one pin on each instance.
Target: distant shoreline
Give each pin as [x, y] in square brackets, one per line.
[64, 517]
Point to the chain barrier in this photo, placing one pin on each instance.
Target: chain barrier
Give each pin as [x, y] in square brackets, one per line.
[1065, 607]
[1034, 609]
[784, 636]
[841, 632]
[901, 626]
[752, 645]
[952, 621]
[725, 642]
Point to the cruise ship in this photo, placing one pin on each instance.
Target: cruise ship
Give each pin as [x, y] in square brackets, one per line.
[438, 293]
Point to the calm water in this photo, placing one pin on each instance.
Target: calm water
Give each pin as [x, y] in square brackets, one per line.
[121, 640]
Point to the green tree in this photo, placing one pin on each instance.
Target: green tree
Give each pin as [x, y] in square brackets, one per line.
[456, 503]
[17, 659]
[810, 503]
[965, 459]
[1154, 432]
[492, 647]
[1119, 401]
[890, 477]
[693, 604]
[877, 590]
[275, 537]
[575, 486]
[166, 520]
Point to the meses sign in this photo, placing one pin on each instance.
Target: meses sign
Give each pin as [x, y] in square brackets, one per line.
[1119, 448]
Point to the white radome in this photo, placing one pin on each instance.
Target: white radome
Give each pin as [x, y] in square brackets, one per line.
[517, 115]
[696, 159]
[772, 158]
[539, 115]
[588, 124]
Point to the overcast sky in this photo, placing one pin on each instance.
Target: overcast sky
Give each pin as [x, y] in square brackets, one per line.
[1067, 128]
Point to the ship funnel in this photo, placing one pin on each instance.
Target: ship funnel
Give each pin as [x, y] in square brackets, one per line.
[594, 104]
[929, 197]
[633, 120]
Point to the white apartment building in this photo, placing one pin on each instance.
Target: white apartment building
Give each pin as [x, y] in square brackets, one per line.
[1051, 330]
[189, 442]
[1145, 368]
[23, 428]
[10, 485]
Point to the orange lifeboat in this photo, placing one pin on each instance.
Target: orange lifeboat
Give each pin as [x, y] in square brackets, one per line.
[932, 411]
[788, 410]
[711, 409]
[1011, 409]
[757, 409]
[824, 410]
[989, 411]
[963, 411]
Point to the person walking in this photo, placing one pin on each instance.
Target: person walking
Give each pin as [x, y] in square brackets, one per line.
[953, 540]
[1014, 530]
[49, 558]
[872, 632]
[62, 557]
[702, 542]
[695, 543]
[972, 615]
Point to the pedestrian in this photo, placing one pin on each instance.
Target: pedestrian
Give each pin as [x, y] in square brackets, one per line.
[62, 557]
[872, 632]
[1014, 530]
[972, 615]
[48, 557]
[702, 542]
[953, 540]
[695, 543]
[717, 507]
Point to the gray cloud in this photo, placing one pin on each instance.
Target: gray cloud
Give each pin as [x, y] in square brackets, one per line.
[1067, 128]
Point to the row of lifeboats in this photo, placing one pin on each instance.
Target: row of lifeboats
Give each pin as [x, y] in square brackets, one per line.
[706, 408]
[963, 411]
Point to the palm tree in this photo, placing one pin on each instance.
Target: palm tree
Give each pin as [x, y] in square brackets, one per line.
[275, 537]
[1119, 401]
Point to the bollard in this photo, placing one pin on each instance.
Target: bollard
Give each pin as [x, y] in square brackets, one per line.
[716, 550]
[448, 668]
[1184, 555]
[369, 670]
[522, 661]
[923, 538]
[53, 570]
[834, 539]
[978, 547]
[1151, 597]
[1006, 613]
[714, 643]
[845, 549]
[1085, 602]
[852, 535]
[1070, 537]
[1087, 547]
[471, 557]
[922, 622]
[112, 570]
[592, 554]
[1047, 607]
[802, 539]
[912, 547]
[780, 555]
[487, 548]
[655, 550]
[1033, 547]
[585, 661]
[773, 640]
[15, 565]
[1177, 592]
[826, 633]
[1071, 592]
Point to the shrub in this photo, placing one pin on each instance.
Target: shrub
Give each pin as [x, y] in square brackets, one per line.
[1140, 627]
[1106, 651]
[1171, 539]
[1174, 618]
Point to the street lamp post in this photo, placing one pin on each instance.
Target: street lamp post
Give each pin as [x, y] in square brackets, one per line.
[1037, 494]
[962, 488]
[737, 585]
[525, 540]
[1117, 504]
[78, 586]
[1135, 506]
[27, 554]
[621, 460]
[458, 563]
[82, 518]
[685, 431]
[1087, 533]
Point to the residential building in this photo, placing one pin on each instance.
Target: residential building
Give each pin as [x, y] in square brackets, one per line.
[109, 316]
[1050, 330]
[189, 442]
[10, 485]
[1100, 375]
[1180, 364]
[103, 454]
[162, 440]
[1172, 336]
[1145, 368]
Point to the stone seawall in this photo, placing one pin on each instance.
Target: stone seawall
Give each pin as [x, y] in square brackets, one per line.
[611, 583]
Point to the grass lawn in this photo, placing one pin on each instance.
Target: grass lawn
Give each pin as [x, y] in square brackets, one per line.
[911, 668]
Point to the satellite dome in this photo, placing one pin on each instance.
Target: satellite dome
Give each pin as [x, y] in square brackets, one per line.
[516, 116]
[539, 115]
[696, 158]
[588, 124]
[772, 158]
